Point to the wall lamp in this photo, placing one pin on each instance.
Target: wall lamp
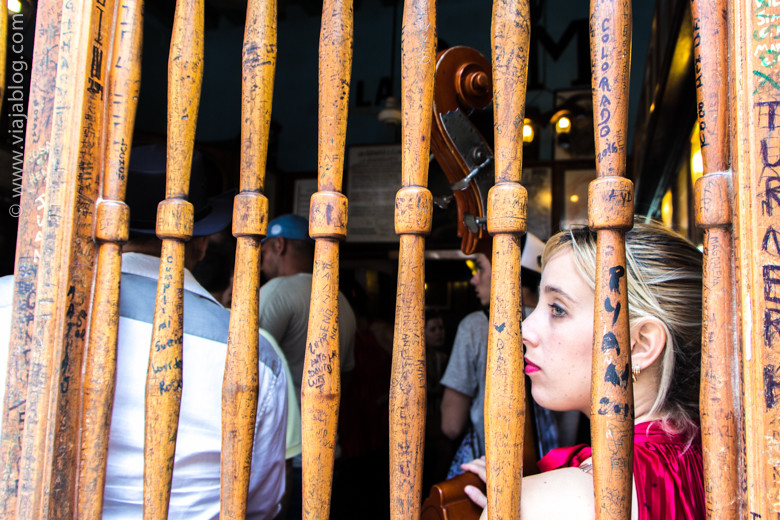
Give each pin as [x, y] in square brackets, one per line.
[529, 132]
[561, 121]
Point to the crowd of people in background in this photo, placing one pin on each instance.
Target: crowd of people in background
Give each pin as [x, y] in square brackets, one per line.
[664, 342]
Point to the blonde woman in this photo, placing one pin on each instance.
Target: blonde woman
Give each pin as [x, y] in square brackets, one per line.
[664, 295]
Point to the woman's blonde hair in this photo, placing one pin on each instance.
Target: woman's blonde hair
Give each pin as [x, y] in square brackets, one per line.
[665, 282]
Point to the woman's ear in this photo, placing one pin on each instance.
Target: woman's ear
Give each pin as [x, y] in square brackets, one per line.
[648, 339]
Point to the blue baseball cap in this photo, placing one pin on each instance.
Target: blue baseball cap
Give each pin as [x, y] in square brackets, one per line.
[289, 226]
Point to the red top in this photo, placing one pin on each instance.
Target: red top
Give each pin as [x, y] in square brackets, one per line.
[667, 472]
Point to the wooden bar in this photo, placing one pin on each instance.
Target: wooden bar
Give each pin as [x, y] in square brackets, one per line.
[611, 214]
[111, 231]
[321, 387]
[240, 389]
[755, 95]
[174, 227]
[47, 475]
[506, 212]
[413, 220]
[30, 211]
[719, 406]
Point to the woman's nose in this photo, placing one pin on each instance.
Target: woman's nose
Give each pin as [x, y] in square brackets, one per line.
[529, 329]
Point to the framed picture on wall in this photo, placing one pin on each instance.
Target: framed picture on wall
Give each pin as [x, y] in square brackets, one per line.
[537, 181]
[304, 189]
[373, 179]
[574, 195]
[572, 125]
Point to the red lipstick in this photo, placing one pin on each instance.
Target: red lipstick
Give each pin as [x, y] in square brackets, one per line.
[530, 368]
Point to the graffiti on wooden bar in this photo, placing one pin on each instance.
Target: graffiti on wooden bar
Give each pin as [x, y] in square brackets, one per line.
[768, 50]
[604, 103]
[771, 243]
[770, 202]
[608, 406]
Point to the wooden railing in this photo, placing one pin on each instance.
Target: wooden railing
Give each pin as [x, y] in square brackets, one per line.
[413, 220]
[321, 389]
[65, 197]
[507, 200]
[112, 221]
[611, 214]
[719, 404]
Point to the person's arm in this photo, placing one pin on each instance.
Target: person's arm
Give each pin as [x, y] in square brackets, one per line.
[565, 493]
[455, 408]
[267, 478]
[460, 379]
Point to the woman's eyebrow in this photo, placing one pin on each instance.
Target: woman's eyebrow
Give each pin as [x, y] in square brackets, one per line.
[547, 289]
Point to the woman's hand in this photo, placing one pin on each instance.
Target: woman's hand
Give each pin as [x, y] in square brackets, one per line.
[479, 468]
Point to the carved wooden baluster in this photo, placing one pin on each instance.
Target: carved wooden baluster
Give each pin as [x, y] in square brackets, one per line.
[755, 98]
[321, 389]
[240, 388]
[174, 226]
[720, 430]
[111, 231]
[506, 212]
[30, 210]
[413, 219]
[610, 212]
[64, 254]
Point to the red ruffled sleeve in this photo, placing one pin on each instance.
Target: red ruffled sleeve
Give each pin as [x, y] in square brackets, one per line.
[667, 471]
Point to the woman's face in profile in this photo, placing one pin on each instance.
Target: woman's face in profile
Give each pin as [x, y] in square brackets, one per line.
[481, 279]
[558, 338]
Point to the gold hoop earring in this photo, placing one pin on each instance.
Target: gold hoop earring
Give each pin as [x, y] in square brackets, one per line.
[635, 373]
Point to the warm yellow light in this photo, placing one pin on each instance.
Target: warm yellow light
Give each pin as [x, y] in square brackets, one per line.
[545, 199]
[15, 6]
[575, 198]
[472, 265]
[697, 162]
[528, 131]
[667, 209]
[563, 125]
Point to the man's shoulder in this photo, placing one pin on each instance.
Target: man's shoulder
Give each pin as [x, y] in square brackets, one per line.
[287, 285]
[203, 317]
[474, 319]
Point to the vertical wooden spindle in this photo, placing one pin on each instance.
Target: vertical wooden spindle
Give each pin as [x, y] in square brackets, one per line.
[111, 231]
[413, 219]
[610, 213]
[321, 387]
[49, 454]
[30, 210]
[506, 211]
[718, 406]
[174, 226]
[755, 103]
[240, 388]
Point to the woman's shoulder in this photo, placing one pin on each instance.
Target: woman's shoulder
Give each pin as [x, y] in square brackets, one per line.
[565, 493]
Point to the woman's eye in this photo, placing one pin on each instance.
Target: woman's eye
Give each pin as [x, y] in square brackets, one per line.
[556, 310]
